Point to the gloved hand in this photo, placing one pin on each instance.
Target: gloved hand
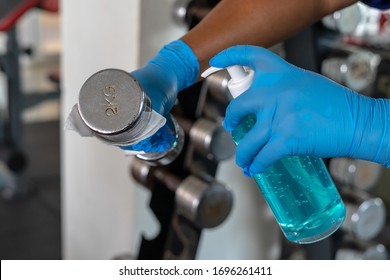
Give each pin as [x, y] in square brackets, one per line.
[174, 68]
[302, 113]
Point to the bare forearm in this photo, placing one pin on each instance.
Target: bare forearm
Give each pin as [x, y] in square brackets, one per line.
[255, 22]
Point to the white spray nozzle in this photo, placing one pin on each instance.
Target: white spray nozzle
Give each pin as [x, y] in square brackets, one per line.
[210, 71]
[240, 79]
[236, 72]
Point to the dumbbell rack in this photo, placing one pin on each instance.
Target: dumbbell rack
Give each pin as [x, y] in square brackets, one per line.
[186, 198]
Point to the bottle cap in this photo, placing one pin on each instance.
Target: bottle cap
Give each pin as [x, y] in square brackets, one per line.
[240, 78]
[111, 101]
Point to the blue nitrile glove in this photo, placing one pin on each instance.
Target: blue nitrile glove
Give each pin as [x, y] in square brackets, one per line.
[158, 142]
[379, 4]
[174, 68]
[299, 112]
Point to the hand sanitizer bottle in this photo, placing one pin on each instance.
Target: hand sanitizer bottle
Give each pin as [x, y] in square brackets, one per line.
[298, 189]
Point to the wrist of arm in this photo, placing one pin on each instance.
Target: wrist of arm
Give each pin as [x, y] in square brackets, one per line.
[383, 118]
[372, 132]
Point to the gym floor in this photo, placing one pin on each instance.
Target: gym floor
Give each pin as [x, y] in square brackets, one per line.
[30, 226]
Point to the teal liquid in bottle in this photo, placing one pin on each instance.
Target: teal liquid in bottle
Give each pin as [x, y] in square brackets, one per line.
[298, 189]
[301, 194]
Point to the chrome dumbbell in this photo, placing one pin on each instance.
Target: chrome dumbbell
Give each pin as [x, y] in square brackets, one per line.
[357, 71]
[218, 95]
[205, 203]
[114, 108]
[217, 85]
[366, 216]
[359, 174]
[212, 140]
[362, 252]
[209, 138]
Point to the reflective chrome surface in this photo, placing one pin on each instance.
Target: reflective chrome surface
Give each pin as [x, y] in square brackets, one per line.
[168, 156]
[205, 203]
[212, 140]
[360, 174]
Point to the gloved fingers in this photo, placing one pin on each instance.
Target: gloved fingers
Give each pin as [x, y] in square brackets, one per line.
[174, 68]
[178, 58]
[257, 58]
[242, 106]
[252, 143]
[161, 89]
[272, 151]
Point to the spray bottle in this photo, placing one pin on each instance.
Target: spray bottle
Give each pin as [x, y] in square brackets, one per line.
[298, 189]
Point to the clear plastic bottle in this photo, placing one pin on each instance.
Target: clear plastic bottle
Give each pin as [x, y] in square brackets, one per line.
[298, 189]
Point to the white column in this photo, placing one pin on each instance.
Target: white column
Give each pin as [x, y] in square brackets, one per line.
[97, 191]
